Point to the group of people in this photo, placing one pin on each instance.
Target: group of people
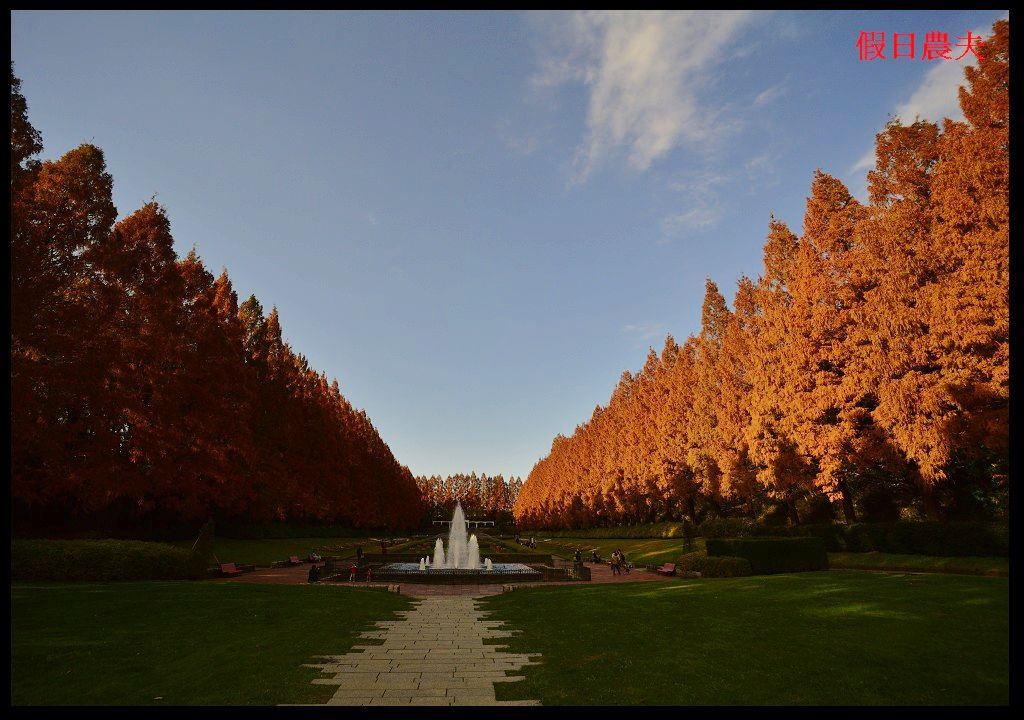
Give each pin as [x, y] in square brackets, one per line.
[619, 563]
[531, 543]
[353, 571]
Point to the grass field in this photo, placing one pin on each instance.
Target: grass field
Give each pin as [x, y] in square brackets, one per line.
[638, 552]
[271, 550]
[833, 638]
[182, 643]
[994, 566]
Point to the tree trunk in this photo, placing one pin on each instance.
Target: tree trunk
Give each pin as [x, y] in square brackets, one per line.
[794, 516]
[931, 504]
[849, 511]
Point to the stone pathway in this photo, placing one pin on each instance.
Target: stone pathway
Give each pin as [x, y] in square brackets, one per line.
[434, 655]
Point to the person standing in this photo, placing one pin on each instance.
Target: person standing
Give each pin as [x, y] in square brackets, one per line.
[359, 554]
[352, 573]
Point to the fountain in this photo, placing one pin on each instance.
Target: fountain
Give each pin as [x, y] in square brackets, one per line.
[457, 541]
[461, 559]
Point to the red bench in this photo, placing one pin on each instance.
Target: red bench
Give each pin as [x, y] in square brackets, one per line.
[667, 569]
[294, 560]
[229, 569]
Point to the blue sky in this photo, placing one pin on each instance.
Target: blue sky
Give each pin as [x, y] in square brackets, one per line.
[476, 222]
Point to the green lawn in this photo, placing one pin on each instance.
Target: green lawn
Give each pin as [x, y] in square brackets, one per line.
[638, 552]
[182, 643]
[995, 566]
[832, 638]
[271, 550]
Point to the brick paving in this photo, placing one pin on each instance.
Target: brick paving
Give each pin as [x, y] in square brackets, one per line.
[600, 573]
[434, 655]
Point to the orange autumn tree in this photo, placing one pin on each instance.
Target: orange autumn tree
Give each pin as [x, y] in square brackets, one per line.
[865, 374]
[144, 398]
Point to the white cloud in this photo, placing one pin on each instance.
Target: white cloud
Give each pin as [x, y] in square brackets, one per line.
[701, 215]
[520, 144]
[645, 331]
[645, 73]
[704, 208]
[770, 95]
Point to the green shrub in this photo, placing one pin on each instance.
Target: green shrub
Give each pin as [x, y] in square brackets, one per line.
[726, 527]
[283, 531]
[712, 567]
[943, 539]
[832, 534]
[618, 532]
[103, 560]
[773, 554]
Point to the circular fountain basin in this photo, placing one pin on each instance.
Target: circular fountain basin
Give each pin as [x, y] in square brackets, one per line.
[496, 568]
[499, 572]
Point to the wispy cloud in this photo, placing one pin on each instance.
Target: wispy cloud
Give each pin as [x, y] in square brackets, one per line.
[645, 330]
[703, 207]
[770, 95]
[645, 73]
[519, 143]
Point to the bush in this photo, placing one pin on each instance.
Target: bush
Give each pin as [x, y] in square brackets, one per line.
[283, 531]
[103, 560]
[618, 532]
[833, 535]
[773, 554]
[727, 527]
[720, 566]
[944, 539]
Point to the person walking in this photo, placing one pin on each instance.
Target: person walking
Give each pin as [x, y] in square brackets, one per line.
[352, 573]
[369, 574]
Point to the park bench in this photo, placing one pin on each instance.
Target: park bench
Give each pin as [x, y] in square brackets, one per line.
[294, 560]
[229, 569]
[667, 569]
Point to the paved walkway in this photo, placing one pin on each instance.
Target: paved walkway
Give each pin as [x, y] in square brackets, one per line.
[600, 573]
[434, 655]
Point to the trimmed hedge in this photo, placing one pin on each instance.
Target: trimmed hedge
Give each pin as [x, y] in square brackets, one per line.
[283, 531]
[618, 532]
[712, 567]
[103, 560]
[769, 555]
[943, 539]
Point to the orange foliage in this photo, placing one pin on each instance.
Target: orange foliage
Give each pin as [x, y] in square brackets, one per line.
[872, 352]
[143, 394]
